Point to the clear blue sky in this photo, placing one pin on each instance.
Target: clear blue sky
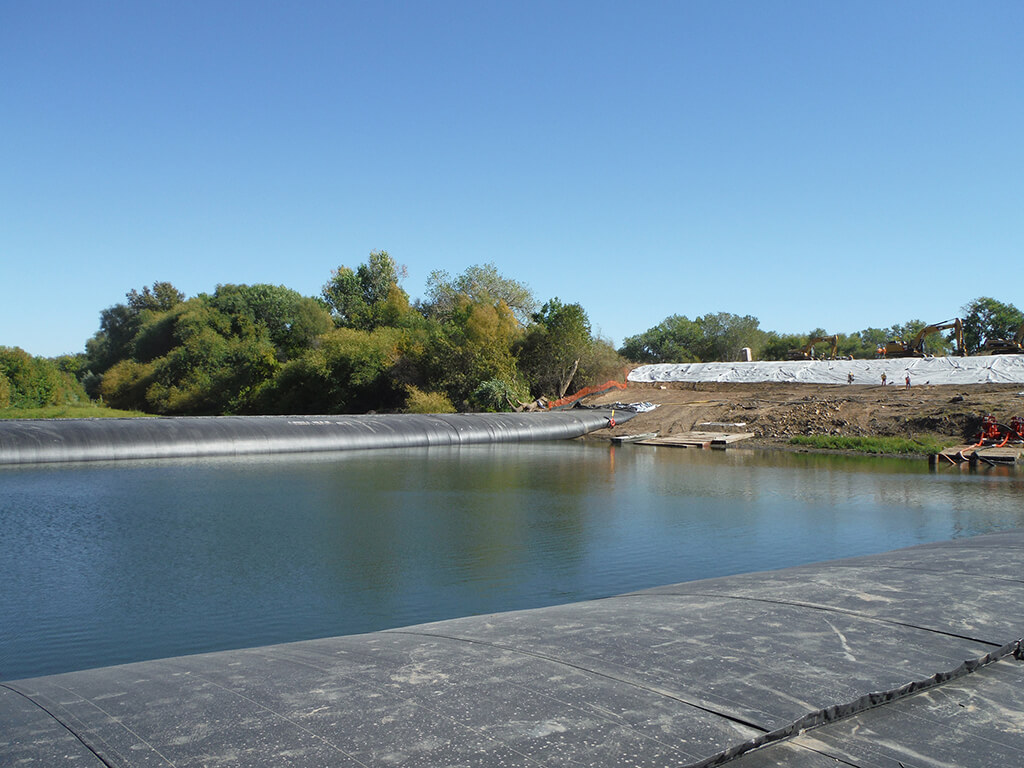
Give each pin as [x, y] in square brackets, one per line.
[814, 164]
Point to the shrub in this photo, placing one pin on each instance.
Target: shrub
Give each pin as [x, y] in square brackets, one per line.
[496, 395]
[36, 381]
[124, 385]
[419, 401]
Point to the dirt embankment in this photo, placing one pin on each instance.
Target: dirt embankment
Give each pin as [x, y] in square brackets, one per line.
[776, 412]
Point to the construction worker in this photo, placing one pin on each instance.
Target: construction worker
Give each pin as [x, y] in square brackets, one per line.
[849, 378]
[908, 381]
[883, 379]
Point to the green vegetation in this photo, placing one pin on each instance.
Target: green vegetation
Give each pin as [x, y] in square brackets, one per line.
[41, 388]
[712, 337]
[33, 382]
[985, 318]
[721, 336]
[878, 445]
[476, 342]
[427, 402]
[88, 411]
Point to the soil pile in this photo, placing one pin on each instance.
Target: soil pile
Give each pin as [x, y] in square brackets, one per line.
[776, 412]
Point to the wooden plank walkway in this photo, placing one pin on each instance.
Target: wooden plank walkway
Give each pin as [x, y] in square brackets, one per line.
[973, 454]
[698, 439]
[1006, 455]
[634, 438]
[955, 454]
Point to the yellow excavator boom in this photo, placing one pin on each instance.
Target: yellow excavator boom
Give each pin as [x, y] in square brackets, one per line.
[806, 352]
[915, 348]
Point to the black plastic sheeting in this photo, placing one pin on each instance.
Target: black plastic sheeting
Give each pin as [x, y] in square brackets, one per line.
[60, 440]
[910, 658]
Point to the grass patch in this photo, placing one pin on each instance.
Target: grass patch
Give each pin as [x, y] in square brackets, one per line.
[67, 412]
[892, 445]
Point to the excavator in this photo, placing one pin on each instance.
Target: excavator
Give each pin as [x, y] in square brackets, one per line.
[806, 352]
[915, 348]
[1014, 346]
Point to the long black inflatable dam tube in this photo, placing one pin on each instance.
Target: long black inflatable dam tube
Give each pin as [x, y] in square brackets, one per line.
[32, 441]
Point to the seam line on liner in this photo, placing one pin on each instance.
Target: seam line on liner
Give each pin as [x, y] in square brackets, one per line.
[814, 607]
[587, 670]
[925, 569]
[808, 721]
[868, 701]
[64, 725]
[322, 668]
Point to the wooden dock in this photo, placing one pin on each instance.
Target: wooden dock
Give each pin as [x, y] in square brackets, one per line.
[975, 454]
[634, 438]
[698, 439]
[1009, 454]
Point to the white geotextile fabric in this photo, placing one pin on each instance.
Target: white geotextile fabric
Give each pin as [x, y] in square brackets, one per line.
[988, 369]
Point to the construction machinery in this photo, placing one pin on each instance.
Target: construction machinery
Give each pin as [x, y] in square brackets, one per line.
[806, 352]
[1014, 346]
[915, 347]
[994, 433]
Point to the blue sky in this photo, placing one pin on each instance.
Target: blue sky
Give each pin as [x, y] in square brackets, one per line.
[814, 164]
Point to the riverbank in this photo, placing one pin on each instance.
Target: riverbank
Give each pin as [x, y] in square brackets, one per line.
[777, 412]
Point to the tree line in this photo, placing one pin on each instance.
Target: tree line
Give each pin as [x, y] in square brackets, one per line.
[477, 341]
[29, 382]
[721, 336]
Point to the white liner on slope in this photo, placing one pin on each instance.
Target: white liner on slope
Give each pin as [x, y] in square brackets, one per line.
[989, 369]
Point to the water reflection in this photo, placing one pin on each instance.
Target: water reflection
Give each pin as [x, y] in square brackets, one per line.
[107, 563]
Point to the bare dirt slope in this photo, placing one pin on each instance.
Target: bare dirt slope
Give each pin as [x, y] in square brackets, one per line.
[776, 412]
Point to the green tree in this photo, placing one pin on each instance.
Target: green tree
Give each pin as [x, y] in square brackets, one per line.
[777, 346]
[470, 331]
[369, 296]
[849, 345]
[125, 384]
[553, 348]
[599, 364]
[208, 355]
[724, 335]
[715, 336]
[292, 320]
[162, 297]
[113, 341]
[31, 382]
[350, 371]
[985, 318]
[870, 340]
[5, 391]
[674, 340]
[218, 361]
[482, 284]
[120, 323]
[472, 345]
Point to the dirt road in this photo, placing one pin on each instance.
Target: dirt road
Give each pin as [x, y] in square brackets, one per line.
[776, 412]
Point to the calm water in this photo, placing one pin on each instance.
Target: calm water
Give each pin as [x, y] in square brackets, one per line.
[107, 563]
